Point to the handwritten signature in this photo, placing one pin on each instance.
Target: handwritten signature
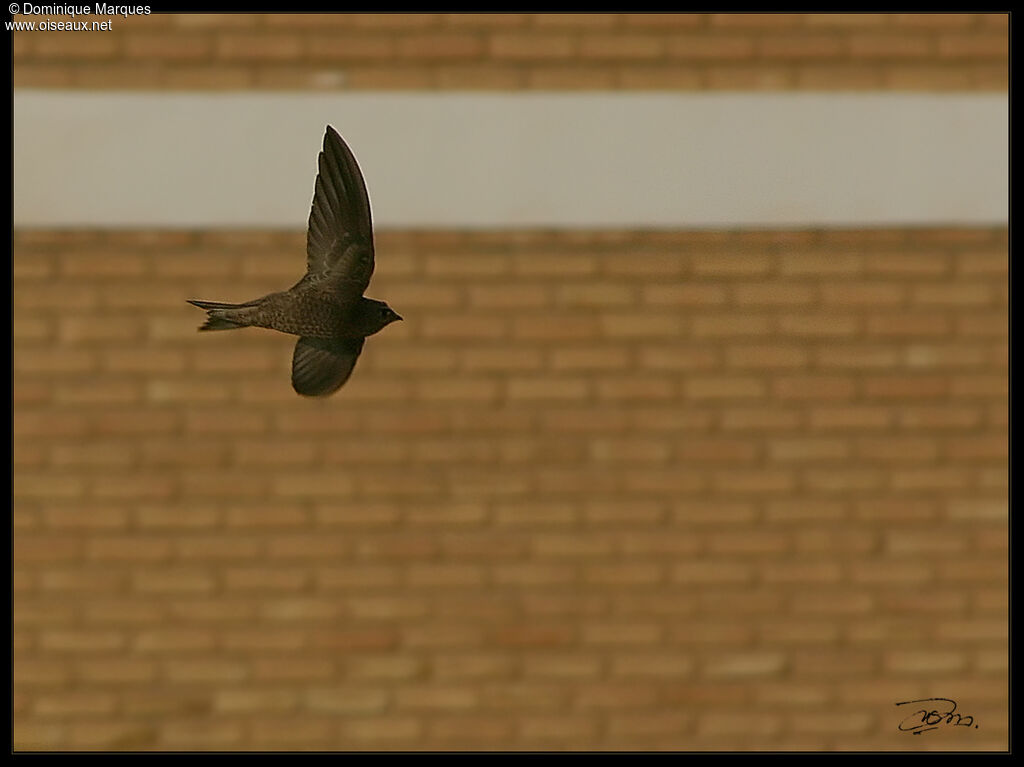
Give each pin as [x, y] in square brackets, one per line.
[942, 713]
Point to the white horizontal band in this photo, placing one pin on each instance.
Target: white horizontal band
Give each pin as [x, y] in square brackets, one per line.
[512, 160]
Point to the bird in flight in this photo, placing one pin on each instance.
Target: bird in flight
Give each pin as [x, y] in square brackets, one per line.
[326, 308]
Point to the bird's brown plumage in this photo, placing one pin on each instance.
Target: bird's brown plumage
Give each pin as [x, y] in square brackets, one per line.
[326, 308]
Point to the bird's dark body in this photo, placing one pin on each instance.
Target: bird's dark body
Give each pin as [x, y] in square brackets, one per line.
[326, 308]
[305, 312]
[310, 313]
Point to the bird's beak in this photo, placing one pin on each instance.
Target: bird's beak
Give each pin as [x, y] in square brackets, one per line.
[398, 317]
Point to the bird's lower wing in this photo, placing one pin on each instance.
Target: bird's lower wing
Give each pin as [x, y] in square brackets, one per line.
[320, 367]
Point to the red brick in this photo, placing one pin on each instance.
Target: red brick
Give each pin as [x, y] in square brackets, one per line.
[553, 328]
[443, 575]
[35, 486]
[389, 76]
[214, 735]
[960, 294]
[54, 361]
[465, 266]
[683, 294]
[820, 325]
[934, 20]
[595, 294]
[983, 263]
[611, 695]
[906, 386]
[28, 75]
[753, 21]
[485, 20]
[850, 417]
[662, 20]
[203, 77]
[351, 47]
[642, 265]
[384, 730]
[133, 548]
[994, 20]
[808, 450]
[947, 417]
[492, 297]
[453, 327]
[104, 263]
[533, 574]
[396, 21]
[52, 296]
[946, 355]
[710, 47]
[993, 448]
[143, 361]
[559, 388]
[731, 264]
[81, 516]
[441, 45]
[82, 641]
[177, 47]
[620, 46]
[765, 356]
[838, 480]
[540, 264]
[733, 326]
[740, 419]
[907, 264]
[897, 449]
[59, 45]
[246, 46]
[476, 77]
[889, 46]
[65, 704]
[215, 547]
[818, 263]
[980, 323]
[744, 665]
[730, 388]
[813, 387]
[561, 729]
[750, 77]
[773, 294]
[533, 46]
[926, 78]
[801, 46]
[463, 728]
[176, 580]
[863, 293]
[306, 484]
[974, 45]
[944, 479]
[436, 698]
[908, 325]
[589, 358]
[30, 329]
[574, 20]
[206, 20]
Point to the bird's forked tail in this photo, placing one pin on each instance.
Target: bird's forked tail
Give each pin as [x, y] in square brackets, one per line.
[222, 316]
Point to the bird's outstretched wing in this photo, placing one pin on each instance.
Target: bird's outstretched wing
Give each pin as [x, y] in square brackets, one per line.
[339, 243]
[321, 366]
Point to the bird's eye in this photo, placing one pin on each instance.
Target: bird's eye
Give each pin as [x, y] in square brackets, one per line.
[384, 313]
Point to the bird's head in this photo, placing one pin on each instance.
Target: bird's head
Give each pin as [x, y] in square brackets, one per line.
[380, 314]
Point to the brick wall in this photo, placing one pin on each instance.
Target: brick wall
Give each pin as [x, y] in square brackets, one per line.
[516, 51]
[600, 490]
[680, 490]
